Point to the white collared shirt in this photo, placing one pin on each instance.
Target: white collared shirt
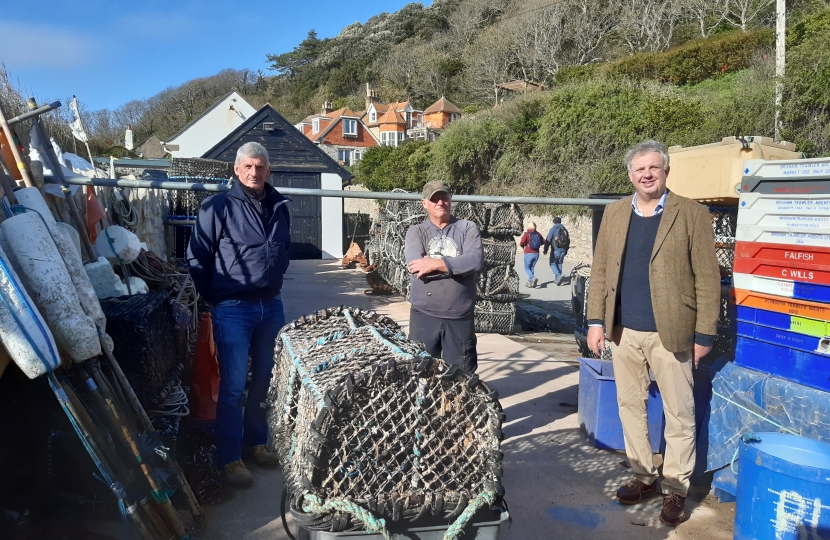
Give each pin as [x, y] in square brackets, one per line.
[657, 211]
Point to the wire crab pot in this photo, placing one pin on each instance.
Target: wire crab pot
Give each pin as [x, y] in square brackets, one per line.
[372, 429]
[724, 222]
[494, 317]
[498, 284]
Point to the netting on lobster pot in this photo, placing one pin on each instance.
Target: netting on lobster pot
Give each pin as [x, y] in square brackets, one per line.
[495, 317]
[504, 219]
[499, 252]
[477, 213]
[380, 431]
[498, 283]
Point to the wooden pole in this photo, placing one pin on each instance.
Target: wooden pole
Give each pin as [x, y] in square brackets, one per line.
[24, 172]
[780, 61]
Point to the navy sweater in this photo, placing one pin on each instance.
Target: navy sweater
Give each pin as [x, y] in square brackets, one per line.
[636, 311]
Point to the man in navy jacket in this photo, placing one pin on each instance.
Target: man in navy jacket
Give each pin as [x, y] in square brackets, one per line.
[238, 254]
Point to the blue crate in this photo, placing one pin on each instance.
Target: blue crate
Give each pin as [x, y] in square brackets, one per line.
[777, 336]
[807, 368]
[599, 414]
[725, 484]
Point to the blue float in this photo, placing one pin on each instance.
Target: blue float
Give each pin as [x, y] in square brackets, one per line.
[783, 488]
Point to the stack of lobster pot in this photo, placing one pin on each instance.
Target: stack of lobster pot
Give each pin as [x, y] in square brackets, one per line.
[497, 286]
[372, 430]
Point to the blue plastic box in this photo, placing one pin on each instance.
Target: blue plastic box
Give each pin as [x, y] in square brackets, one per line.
[802, 367]
[599, 414]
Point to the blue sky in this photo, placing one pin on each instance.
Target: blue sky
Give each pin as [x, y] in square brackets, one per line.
[110, 52]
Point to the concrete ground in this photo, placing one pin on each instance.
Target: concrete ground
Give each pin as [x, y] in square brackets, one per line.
[558, 485]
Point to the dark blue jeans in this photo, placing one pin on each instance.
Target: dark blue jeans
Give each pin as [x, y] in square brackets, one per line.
[242, 329]
[556, 260]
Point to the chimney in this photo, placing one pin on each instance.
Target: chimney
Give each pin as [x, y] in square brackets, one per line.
[327, 107]
[371, 96]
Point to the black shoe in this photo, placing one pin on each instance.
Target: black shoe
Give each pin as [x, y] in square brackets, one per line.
[634, 491]
[673, 512]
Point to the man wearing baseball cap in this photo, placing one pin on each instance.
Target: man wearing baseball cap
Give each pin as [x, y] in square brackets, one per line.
[444, 254]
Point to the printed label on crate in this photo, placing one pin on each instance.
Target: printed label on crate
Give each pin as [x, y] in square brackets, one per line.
[783, 253]
[780, 287]
[776, 336]
[789, 221]
[790, 306]
[795, 271]
[777, 235]
[778, 204]
[783, 321]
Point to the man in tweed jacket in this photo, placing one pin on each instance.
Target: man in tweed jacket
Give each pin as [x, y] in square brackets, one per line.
[655, 291]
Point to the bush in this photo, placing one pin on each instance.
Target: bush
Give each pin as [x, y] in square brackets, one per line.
[384, 168]
[695, 60]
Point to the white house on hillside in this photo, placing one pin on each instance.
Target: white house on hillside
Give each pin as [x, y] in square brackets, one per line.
[213, 125]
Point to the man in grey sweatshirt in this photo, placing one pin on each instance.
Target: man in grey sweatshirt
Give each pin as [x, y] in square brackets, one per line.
[444, 254]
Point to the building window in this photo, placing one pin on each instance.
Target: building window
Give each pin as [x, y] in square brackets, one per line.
[345, 156]
[357, 155]
[373, 116]
[350, 128]
[315, 125]
[389, 138]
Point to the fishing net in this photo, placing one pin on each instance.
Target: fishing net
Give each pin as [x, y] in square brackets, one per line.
[477, 213]
[580, 281]
[369, 426]
[724, 222]
[495, 317]
[498, 283]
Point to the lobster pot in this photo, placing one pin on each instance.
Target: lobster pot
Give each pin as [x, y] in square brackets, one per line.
[499, 252]
[477, 213]
[580, 282]
[724, 222]
[494, 317]
[498, 283]
[369, 426]
[504, 219]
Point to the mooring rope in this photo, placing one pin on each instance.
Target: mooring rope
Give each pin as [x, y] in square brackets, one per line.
[313, 505]
[485, 497]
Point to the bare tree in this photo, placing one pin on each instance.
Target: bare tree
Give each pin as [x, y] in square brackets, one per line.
[648, 25]
[708, 14]
[489, 62]
[742, 13]
[589, 22]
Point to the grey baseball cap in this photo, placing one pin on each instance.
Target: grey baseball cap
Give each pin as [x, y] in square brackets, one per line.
[435, 186]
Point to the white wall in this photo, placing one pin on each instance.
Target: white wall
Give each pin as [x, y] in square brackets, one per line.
[211, 128]
[332, 209]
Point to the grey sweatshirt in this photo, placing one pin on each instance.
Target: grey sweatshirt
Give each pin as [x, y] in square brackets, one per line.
[450, 295]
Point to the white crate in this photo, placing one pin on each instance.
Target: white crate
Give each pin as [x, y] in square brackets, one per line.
[780, 235]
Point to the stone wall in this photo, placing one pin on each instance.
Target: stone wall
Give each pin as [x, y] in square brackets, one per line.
[579, 229]
[364, 206]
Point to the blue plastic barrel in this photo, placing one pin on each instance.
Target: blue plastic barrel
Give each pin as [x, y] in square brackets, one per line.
[783, 488]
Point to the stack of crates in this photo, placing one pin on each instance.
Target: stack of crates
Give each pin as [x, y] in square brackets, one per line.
[782, 282]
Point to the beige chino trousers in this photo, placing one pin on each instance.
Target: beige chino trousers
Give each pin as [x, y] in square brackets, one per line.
[636, 353]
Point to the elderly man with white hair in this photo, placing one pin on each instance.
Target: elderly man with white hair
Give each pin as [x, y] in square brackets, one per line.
[238, 254]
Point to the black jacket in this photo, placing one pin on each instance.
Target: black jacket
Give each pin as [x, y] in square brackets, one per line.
[233, 253]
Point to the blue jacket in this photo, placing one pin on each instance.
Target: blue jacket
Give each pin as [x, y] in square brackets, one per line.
[233, 254]
[551, 237]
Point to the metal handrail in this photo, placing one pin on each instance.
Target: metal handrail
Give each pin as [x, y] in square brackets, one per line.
[196, 186]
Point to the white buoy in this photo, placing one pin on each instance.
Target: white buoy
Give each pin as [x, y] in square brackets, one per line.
[76, 238]
[137, 286]
[31, 199]
[35, 360]
[47, 280]
[104, 280]
[115, 242]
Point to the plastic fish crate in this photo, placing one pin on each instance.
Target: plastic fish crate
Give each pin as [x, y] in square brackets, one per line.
[795, 271]
[599, 414]
[781, 287]
[791, 306]
[783, 253]
[796, 213]
[807, 368]
[781, 235]
[783, 321]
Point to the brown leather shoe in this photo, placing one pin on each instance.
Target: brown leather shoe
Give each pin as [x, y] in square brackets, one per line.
[673, 512]
[634, 491]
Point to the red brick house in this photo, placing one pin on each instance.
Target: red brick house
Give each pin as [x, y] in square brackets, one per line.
[341, 134]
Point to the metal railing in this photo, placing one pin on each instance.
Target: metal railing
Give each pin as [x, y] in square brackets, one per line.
[196, 186]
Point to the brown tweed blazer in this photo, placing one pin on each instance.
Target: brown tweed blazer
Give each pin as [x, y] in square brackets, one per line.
[683, 273]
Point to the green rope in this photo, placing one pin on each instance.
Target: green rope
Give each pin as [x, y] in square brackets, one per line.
[486, 497]
[779, 426]
[313, 505]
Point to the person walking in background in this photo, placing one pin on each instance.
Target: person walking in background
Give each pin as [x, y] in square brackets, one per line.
[559, 238]
[655, 286]
[238, 254]
[531, 241]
